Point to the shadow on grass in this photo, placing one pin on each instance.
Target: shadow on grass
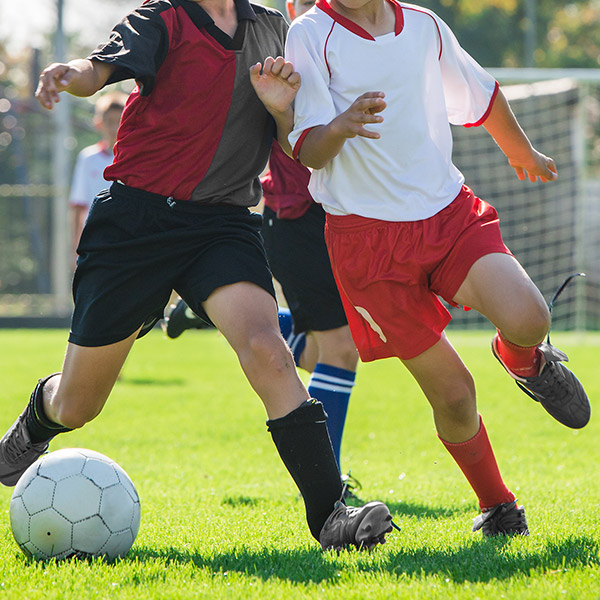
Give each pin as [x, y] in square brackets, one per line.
[480, 561]
[427, 511]
[486, 559]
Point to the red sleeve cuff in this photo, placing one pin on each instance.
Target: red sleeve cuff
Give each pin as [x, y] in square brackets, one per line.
[488, 111]
[298, 145]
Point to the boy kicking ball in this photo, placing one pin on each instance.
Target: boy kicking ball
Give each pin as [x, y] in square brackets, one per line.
[381, 83]
[176, 217]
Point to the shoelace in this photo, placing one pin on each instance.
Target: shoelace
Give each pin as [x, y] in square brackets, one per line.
[558, 292]
[16, 444]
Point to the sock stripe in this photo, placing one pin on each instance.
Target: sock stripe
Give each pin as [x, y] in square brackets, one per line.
[348, 382]
[330, 388]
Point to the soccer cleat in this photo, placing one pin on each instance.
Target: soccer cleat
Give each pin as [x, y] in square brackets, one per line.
[17, 451]
[502, 519]
[555, 388]
[362, 527]
[181, 318]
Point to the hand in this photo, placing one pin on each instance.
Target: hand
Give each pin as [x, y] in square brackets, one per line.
[536, 166]
[363, 110]
[276, 85]
[54, 79]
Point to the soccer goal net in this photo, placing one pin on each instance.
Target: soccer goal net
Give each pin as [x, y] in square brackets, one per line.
[552, 228]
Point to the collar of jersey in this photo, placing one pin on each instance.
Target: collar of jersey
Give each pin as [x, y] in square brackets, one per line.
[201, 18]
[357, 29]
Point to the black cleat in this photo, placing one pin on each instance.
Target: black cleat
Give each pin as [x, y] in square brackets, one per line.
[502, 519]
[362, 527]
[17, 451]
[181, 318]
[555, 388]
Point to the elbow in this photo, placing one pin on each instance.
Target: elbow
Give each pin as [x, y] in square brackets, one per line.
[316, 165]
[313, 162]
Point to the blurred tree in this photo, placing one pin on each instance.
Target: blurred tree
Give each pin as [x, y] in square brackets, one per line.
[573, 38]
[493, 31]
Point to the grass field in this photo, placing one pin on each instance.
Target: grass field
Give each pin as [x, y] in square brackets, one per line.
[222, 519]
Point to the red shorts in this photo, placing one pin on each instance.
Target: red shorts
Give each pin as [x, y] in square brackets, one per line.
[391, 274]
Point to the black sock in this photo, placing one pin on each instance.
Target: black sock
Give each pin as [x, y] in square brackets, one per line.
[304, 446]
[40, 427]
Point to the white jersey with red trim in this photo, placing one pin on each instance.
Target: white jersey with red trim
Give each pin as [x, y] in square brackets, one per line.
[88, 176]
[429, 81]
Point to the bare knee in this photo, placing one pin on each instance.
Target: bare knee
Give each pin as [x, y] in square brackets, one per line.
[73, 410]
[75, 417]
[530, 326]
[267, 350]
[456, 400]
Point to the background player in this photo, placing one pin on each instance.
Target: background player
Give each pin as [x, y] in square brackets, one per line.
[381, 81]
[188, 154]
[88, 175]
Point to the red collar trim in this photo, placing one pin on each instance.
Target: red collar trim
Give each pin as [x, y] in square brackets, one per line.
[357, 29]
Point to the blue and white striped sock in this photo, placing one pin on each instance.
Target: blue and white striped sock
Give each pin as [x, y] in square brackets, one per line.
[286, 326]
[332, 386]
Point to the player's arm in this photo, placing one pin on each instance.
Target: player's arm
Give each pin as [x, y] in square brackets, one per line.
[503, 126]
[79, 77]
[324, 142]
[276, 84]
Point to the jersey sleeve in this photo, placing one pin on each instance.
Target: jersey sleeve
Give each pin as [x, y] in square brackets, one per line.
[137, 47]
[469, 89]
[313, 104]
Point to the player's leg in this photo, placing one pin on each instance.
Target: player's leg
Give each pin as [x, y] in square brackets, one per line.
[302, 347]
[399, 315]
[78, 394]
[332, 379]
[500, 289]
[60, 403]
[299, 260]
[119, 294]
[449, 388]
[245, 314]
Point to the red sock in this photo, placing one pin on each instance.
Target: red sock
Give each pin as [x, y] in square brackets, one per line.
[523, 361]
[476, 460]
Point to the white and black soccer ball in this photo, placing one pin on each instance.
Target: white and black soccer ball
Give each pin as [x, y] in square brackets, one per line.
[75, 503]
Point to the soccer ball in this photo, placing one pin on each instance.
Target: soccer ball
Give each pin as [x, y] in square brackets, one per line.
[74, 503]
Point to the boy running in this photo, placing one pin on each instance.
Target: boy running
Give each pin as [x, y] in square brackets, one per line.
[381, 81]
[193, 140]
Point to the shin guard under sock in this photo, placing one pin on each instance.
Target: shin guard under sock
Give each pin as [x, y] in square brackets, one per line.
[304, 446]
[523, 361]
[476, 460]
[40, 427]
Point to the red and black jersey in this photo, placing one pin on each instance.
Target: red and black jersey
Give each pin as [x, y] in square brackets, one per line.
[193, 128]
[285, 186]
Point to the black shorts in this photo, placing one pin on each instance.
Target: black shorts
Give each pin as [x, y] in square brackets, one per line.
[136, 247]
[299, 261]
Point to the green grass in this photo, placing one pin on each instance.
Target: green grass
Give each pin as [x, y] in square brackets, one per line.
[222, 519]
